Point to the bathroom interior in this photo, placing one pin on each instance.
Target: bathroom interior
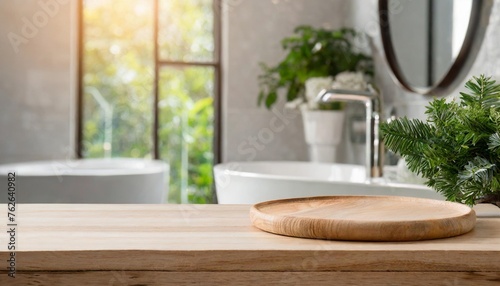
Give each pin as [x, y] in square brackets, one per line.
[80, 81]
[140, 129]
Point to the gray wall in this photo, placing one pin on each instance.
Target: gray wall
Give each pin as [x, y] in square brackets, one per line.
[37, 84]
[37, 74]
[252, 33]
[412, 51]
[363, 16]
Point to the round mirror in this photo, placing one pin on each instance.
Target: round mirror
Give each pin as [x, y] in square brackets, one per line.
[430, 45]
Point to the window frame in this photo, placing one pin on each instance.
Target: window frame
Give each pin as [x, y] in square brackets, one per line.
[158, 64]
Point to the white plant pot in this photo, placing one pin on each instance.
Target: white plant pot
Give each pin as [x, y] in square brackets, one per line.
[323, 133]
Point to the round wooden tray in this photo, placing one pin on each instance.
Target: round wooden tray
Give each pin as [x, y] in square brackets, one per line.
[364, 218]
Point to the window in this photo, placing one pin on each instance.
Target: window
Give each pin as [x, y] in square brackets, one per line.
[149, 87]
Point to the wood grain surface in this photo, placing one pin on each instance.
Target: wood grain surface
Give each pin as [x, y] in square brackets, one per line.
[364, 218]
[76, 244]
[252, 278]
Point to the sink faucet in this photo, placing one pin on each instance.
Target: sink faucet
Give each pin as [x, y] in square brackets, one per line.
[374, 147]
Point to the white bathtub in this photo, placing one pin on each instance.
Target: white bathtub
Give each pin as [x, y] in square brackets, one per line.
[254, 182]
[120, 180]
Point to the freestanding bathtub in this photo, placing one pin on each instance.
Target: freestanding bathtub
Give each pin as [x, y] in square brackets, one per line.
[254, 182]
[120, 180]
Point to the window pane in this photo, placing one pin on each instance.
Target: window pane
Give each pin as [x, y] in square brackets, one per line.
[118, 78]
[186, 131]
[186, 30]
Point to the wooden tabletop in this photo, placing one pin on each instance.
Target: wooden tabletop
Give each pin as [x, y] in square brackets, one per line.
[68, 237]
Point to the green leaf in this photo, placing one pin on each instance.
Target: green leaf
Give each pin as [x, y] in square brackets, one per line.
[303, 61]
[494, 142]
[271, 99]
[260, 98]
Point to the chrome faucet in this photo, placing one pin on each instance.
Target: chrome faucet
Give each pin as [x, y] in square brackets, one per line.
[374, 146]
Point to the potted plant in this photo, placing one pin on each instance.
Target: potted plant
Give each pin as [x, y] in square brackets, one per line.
[316, 59]
[457, 149]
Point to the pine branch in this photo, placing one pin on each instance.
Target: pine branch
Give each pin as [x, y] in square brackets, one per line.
[441, 113]
[485, 92]
[494, 142]
[478, 170]
[406, 136]
[458, 149]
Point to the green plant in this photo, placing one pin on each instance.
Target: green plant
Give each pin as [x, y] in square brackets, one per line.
[311, 53]
[118, 62]
[458, 148]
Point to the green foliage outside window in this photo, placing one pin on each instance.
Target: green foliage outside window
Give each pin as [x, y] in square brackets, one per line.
[186, 131]
[119, 77]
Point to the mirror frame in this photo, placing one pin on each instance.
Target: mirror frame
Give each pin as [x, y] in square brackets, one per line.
[478, 22]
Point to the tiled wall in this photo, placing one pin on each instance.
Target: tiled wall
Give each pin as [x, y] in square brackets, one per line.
[37, 74]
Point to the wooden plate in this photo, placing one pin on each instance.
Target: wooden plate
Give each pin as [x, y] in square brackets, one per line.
[365, 218]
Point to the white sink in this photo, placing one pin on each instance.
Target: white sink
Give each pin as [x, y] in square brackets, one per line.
[253, 182]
